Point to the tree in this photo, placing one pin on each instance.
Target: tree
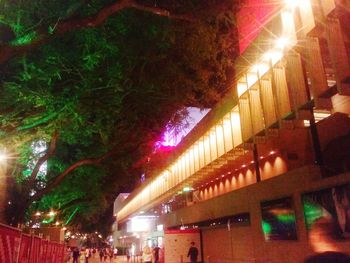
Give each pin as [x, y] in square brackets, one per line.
[98, 81]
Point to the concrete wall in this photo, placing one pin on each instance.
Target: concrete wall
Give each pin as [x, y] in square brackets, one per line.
[246, 243]
[230, 246]
[177, 244]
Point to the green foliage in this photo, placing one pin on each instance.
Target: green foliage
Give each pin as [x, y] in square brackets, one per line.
[112, 87]
[25, 39]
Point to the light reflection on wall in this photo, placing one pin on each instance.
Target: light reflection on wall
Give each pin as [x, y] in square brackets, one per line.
[250, 177]
[270, 166]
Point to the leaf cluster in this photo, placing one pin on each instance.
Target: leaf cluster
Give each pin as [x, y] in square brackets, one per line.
[107, 88]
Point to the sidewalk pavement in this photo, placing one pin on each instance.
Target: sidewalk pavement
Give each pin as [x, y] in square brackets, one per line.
[119, 259]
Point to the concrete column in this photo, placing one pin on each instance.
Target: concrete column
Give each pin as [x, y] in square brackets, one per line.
[3, 190]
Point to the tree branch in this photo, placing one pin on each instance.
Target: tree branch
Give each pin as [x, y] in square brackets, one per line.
[44, 158]
[42, 120]
[161, 12]
[93, 161]
[7, 51]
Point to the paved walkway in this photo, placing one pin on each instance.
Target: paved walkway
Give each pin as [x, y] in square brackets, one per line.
[119, 259]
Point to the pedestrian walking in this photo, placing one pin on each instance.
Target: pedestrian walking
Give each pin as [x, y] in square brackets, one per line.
[75, 255]
[82, 258]
[101, 254]
[105, 254]
[110, 254]
[156, 254]
[87, 255]
[147, 254]
[128, 254]
[115, 252]
[193, 253]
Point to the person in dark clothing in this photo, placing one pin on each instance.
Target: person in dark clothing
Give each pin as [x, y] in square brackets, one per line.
[101, 254]
[193, 253]
[329, 257]
[105, 254]
[76, 255]
[156, 254]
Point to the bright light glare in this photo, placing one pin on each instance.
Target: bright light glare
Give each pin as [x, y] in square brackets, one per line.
[272, 56]
[241, 88]
[52, 213]
[282, 42]
[187, 189]
[260, 68]
[293, 3]
[3, 156]
[252, 76]
[141, 224]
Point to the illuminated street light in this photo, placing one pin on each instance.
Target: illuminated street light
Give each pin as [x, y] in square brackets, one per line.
[187, 189]
[3, 156]
[38, 213]
[52, 213]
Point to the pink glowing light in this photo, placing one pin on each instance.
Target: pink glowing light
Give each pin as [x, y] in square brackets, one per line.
[172, 138]
[252, 17]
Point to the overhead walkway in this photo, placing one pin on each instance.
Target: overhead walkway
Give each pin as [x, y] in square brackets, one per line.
[293, 75]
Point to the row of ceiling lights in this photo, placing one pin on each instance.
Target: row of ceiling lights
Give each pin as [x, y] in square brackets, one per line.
[237, 169]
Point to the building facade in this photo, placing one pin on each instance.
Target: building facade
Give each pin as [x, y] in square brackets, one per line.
[265, 176]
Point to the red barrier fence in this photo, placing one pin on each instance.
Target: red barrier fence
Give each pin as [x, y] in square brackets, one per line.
[17, 247]
[24, 251]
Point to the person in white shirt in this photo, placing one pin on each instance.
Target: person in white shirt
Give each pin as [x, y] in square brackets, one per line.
[147, 254]
[115, 252]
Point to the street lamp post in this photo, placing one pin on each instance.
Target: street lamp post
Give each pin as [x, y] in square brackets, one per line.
[3, 185]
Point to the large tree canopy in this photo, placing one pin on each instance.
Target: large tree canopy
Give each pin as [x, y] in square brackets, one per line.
[97, 81]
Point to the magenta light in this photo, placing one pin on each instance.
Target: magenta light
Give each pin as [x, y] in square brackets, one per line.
[171, 138]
